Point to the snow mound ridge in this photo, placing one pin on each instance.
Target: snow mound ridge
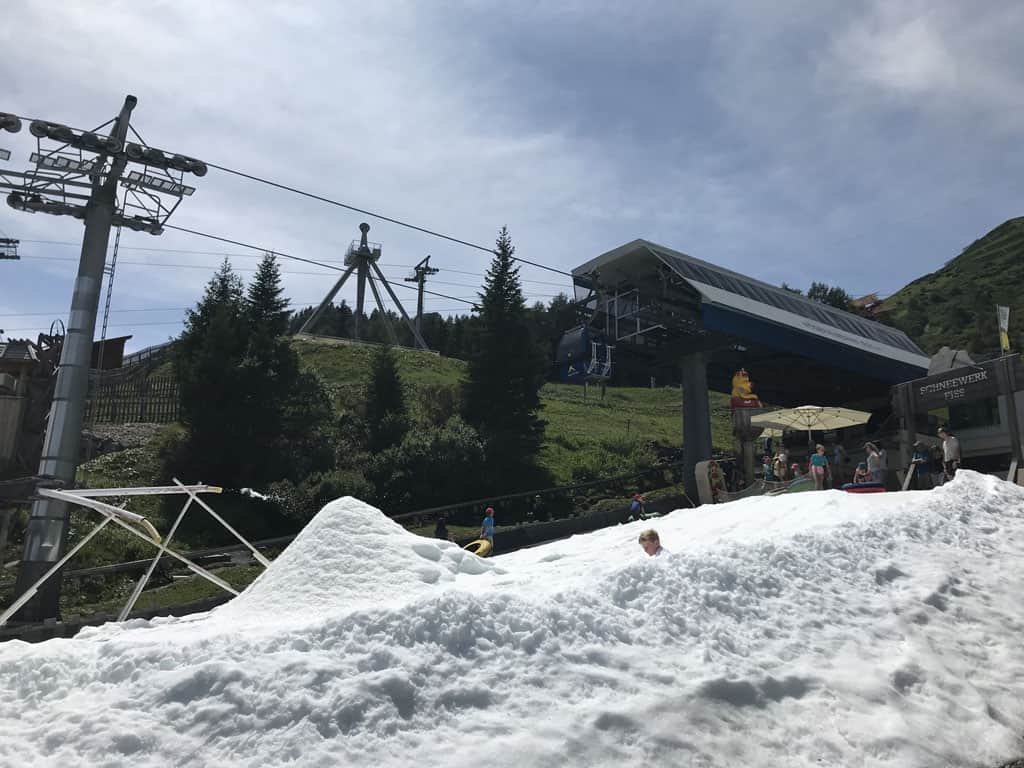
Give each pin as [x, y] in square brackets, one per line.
[350, 556]
[831, 629]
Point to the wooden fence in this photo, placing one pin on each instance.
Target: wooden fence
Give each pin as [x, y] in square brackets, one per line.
[152, 399]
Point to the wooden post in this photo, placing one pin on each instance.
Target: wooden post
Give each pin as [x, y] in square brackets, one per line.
[143, 399]
[1006, 377]
[903, 407]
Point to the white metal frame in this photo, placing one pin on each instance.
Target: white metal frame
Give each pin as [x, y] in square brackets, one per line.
[88, 498]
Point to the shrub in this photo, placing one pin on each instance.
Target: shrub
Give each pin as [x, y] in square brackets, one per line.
[438, 403]
[429, 468]
[302, 502]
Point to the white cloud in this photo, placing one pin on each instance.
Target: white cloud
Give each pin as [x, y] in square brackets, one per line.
[948, 59]
[758, 136]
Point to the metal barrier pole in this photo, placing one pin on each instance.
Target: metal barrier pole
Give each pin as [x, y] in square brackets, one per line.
[141, 585]
[31, 591]
[256, 553]
[112, 513]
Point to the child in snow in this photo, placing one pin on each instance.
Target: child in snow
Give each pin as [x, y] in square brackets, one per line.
[651, 544]
[861, 475]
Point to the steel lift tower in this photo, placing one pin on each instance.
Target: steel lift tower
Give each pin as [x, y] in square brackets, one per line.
[420, 273]
[83, 174]
[361, 258]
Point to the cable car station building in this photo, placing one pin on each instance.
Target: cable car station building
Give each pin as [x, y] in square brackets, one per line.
[655, 303]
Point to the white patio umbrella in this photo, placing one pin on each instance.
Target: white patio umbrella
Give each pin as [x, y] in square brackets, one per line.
[811, 417]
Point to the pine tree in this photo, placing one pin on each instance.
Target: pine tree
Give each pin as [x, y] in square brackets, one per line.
[343, 321]
[385, 402]
[253, 416]
[207, 362]
[505, 372]
[266, 308]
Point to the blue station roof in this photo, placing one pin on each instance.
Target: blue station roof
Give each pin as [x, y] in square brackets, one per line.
[748, 308]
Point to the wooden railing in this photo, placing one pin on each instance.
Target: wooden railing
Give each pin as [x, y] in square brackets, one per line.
[153, 399]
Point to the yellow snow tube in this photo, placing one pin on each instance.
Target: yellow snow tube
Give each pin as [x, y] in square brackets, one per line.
[480, 547]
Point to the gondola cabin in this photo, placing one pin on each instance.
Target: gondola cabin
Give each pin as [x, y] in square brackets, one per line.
[584, 355]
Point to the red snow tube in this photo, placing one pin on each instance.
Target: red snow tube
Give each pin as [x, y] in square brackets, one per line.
[864, 488]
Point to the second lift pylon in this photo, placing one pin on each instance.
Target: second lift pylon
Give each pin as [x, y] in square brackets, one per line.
[361, 258]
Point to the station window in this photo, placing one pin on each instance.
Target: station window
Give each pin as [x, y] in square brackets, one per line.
[980, 413]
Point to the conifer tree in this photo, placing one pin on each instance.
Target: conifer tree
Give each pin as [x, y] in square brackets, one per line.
[505, 372]
[266, 307]
[253, 415]
[385, 402]
[207, 363]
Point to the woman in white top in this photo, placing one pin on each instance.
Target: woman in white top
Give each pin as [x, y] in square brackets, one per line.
[874, 462]
[950, 452]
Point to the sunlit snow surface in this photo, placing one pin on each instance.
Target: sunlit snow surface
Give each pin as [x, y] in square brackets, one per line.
[805, 630]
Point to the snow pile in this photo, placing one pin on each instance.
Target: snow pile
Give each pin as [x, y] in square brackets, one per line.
[807, 630]
[350, 556]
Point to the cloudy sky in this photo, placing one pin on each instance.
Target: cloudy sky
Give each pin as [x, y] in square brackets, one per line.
[860, 143]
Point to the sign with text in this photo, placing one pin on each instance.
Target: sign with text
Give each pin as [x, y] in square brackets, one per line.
[975, 382]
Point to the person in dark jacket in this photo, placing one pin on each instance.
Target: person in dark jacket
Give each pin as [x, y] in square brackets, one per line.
[921, 462]
[441, 529]
[636, 506]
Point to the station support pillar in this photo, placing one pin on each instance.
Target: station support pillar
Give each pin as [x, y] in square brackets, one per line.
[745, 434]
[696, 418]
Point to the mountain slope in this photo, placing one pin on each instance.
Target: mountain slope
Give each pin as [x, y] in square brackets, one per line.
[591, 432]
[956, 305]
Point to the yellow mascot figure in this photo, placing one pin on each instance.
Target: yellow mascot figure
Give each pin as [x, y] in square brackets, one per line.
[743, 391]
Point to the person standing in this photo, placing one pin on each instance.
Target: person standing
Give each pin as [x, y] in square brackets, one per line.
[819, 467]
[950, 453]
[920, 465]
[487, 526]
[441, 529]
[839, 463]
[874, 462]
[782, 463]
[537, 508]
[935, 466]
[883, 465]
[636, 507]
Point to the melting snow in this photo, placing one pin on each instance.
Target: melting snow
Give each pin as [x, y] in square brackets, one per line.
[818, 629]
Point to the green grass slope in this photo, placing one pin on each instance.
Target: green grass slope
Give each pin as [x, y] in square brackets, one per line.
[956, 306]
[584, 438]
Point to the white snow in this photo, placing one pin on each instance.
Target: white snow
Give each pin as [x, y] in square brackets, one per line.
[817, 629]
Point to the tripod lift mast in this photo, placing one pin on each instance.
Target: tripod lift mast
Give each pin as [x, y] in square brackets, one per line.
[420, 273]
[362, 259]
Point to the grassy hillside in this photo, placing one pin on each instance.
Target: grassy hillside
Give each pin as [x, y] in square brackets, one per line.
[578, 427]
[583, 438]
[956, 305]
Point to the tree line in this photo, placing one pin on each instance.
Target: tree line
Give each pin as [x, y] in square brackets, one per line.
[252, 417]
[455, 336]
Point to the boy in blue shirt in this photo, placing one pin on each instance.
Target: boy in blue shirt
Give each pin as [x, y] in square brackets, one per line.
[487, 526]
